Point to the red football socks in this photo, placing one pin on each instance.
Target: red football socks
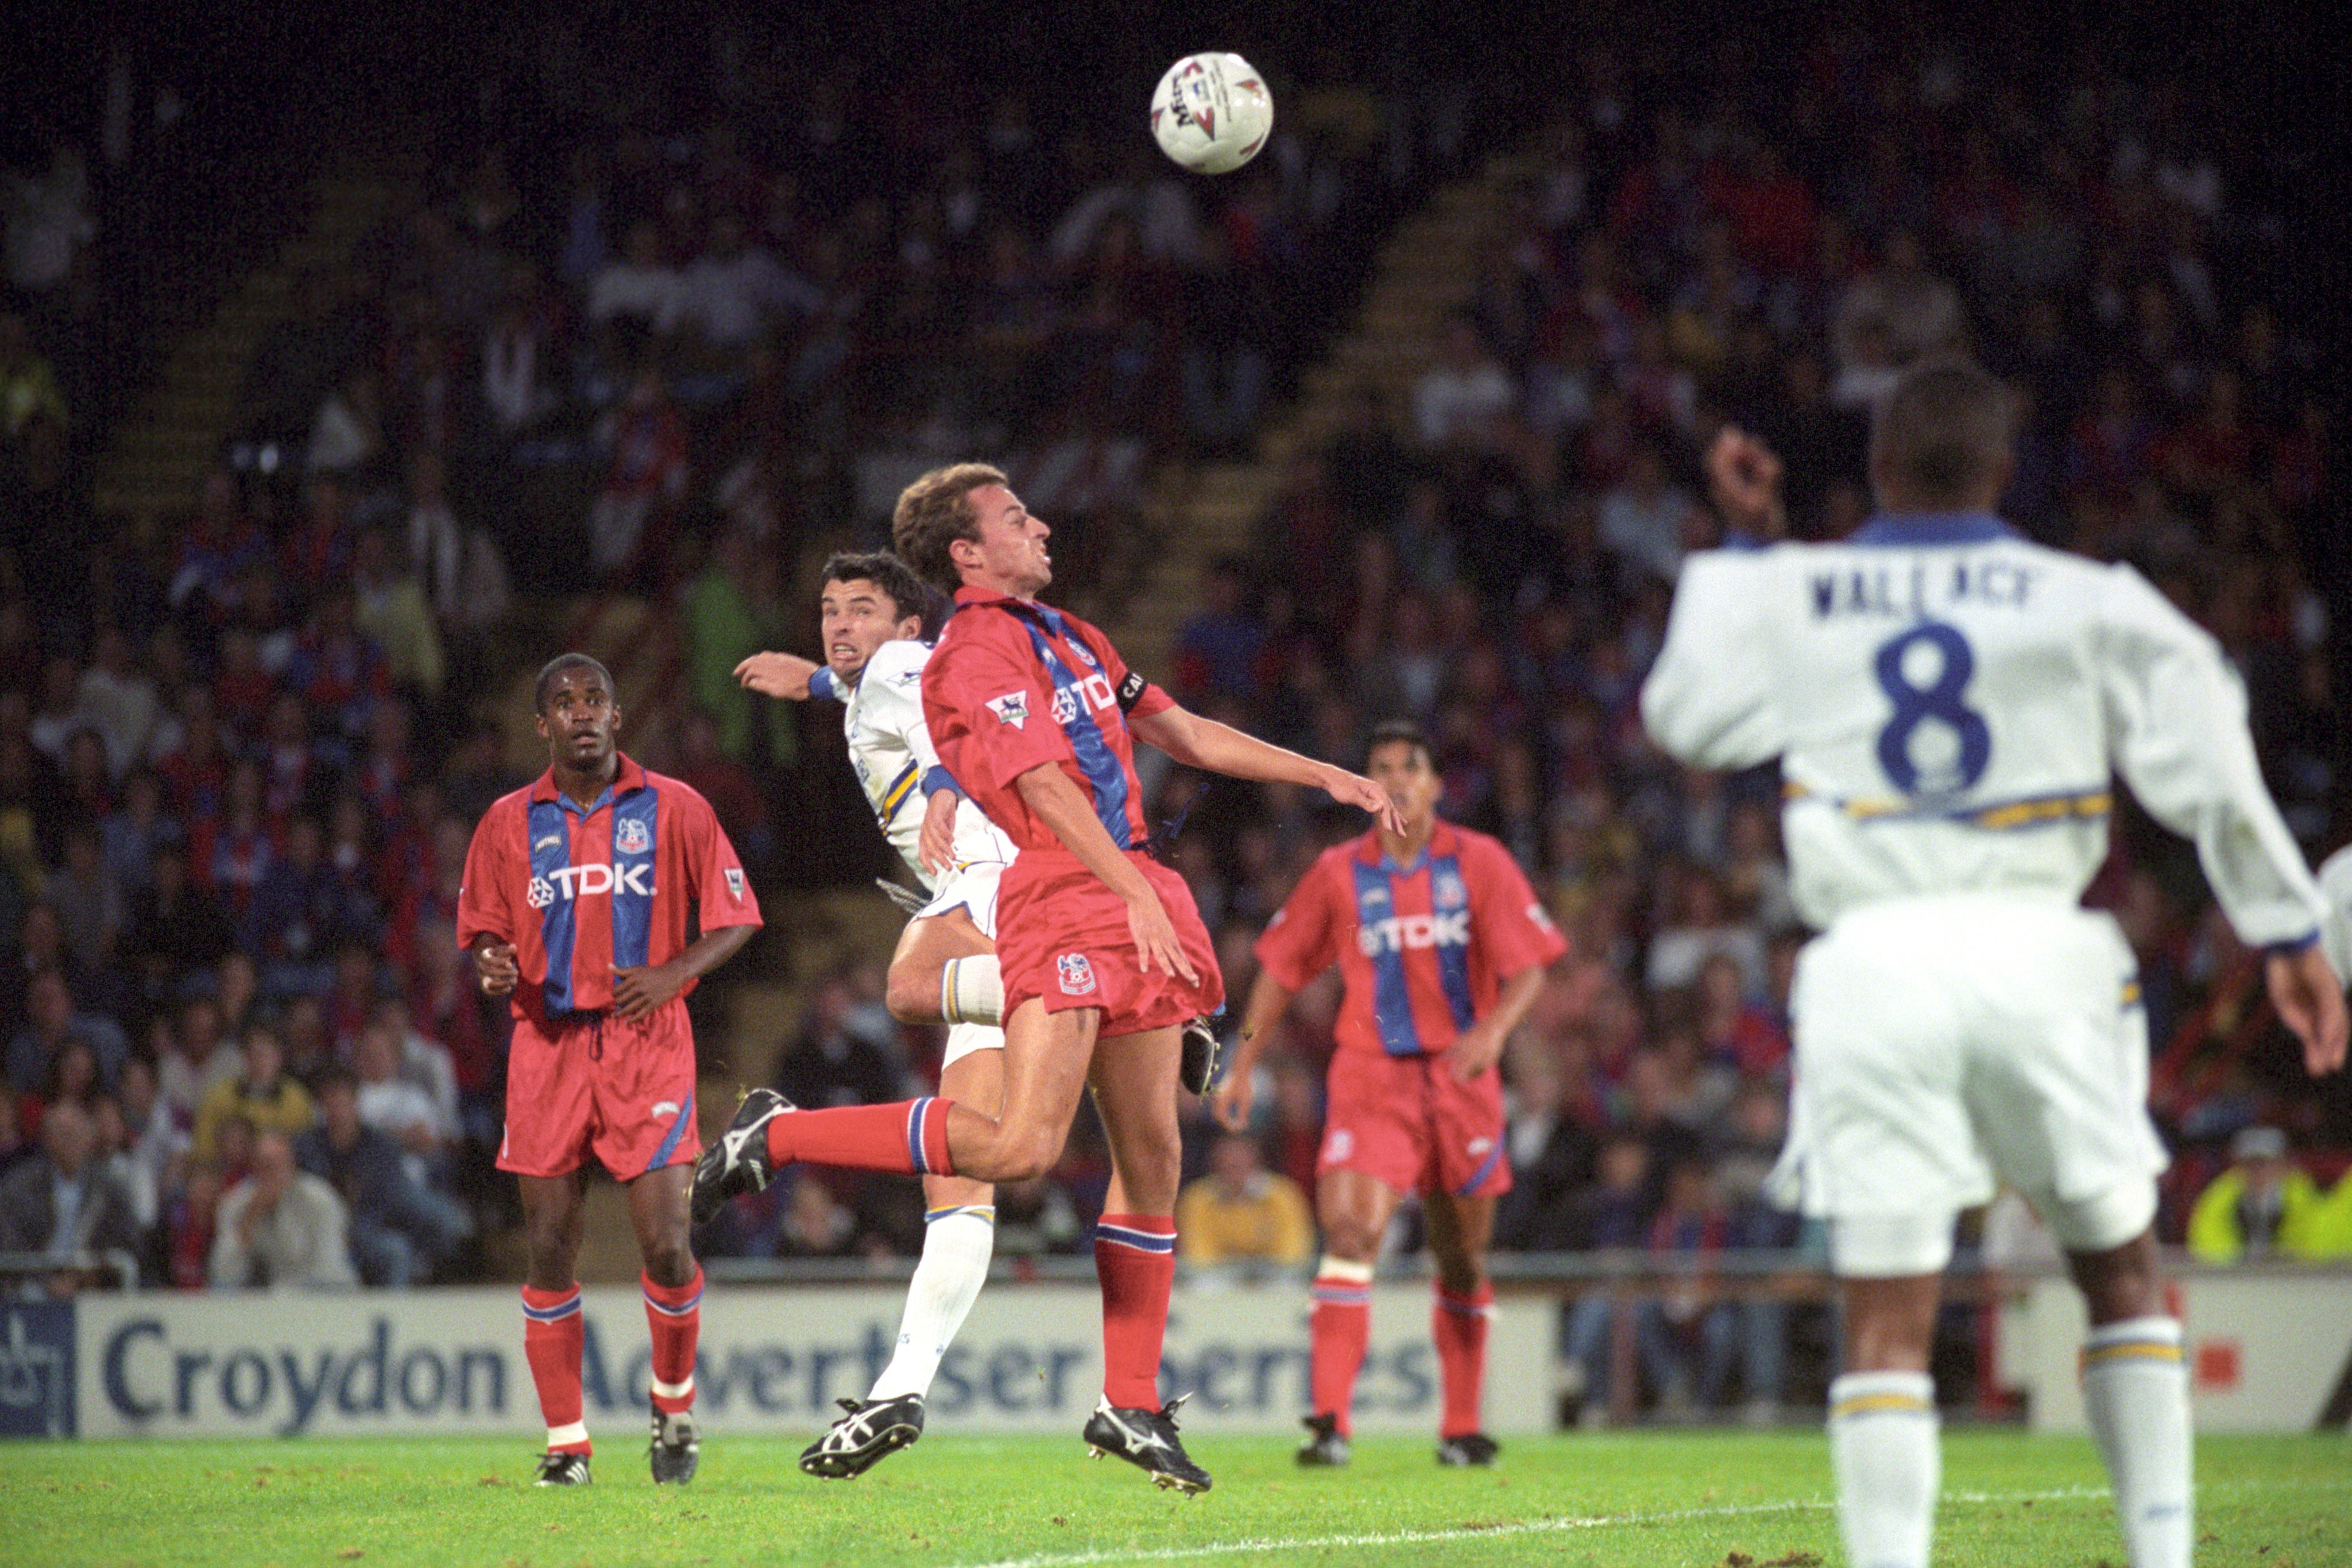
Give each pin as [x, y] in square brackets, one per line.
[1135, 1260]
[1458, 1324]
[674, 1315]
[552, 1337]
[906, 1138]
[1337, 1328]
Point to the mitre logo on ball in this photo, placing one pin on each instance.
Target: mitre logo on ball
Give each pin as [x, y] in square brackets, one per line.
[1211, 112]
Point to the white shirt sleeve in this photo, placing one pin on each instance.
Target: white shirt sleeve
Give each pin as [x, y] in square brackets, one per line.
[892, 687]
[1710, 699]
[2177, 729]
[2336, 888]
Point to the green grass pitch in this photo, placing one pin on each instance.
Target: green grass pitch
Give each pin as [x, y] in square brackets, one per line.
[1665, 1498]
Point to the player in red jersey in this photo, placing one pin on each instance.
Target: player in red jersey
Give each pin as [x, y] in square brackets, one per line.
[1102, 954]
[1442, 946]
[574, 904]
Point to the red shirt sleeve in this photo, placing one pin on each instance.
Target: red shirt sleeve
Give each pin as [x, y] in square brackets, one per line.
[1302, 940]
[990, 714]
[1507, 919]
[482, 907]
[714, 875]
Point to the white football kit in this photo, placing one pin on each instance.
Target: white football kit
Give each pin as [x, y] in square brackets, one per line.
[890, 747]
[1949, 704]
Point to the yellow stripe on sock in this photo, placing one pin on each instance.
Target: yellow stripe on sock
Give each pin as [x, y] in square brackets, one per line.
[1879, 1404]
[2131, 1349]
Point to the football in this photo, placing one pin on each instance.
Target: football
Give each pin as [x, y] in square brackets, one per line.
[1211, 112]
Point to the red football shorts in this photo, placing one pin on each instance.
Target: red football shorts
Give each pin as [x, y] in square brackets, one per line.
[1407, 1123]
[621, 1089]
[1061, 936]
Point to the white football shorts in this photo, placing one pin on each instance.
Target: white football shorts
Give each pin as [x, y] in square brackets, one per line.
[972, 885]
[1944, 1041]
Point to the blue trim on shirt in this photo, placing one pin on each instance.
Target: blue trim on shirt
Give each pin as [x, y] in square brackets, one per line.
[1932, 528]
[550, 843]
[940, 779]
[1087, 742]
[822, 686]
[1391, 993]
[1452, 962]
[2294, 945]
[633, 912]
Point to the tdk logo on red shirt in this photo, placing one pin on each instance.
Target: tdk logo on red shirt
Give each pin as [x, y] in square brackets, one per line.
[1096, 691]
[586, 881]
[1408, 933]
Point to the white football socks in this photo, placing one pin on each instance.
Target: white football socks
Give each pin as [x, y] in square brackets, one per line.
[971, 990]
[956, 1244]
[1883, 1446]
[2136, 1394]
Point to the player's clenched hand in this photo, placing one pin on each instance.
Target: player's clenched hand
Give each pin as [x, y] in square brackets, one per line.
[1744, 475]
[936, 848]
[1355, 790]
[1474, 1050]
[777, 675]
[2310, 1001]
[494, 962]
[638, 991]
[1155, 937]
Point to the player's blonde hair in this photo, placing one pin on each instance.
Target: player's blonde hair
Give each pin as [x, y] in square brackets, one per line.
[934, 512]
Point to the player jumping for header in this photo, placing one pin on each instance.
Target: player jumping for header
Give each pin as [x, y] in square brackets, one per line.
[1442, 947]
[574, 904]
[1949, 704]
[1104, 956]
[871, 623]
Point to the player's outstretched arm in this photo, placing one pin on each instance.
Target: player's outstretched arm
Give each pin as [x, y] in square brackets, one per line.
[2310, 1001]
[1236, 1091]
[1205, 743]
[1048, 792]
[783, 675]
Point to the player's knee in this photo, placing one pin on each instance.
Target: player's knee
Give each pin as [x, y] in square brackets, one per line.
[912, 994]
[669, 1263]
[1348, 1238]
[1025, 1154]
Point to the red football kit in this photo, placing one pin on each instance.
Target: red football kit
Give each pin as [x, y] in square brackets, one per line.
[1422, 951]
[579, 893]
[1014, 684]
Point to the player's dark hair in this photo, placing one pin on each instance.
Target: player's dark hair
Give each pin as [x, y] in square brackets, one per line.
[886, 571]
[556, 666]
[1941, 436]
[933, 513]
[1401, 732]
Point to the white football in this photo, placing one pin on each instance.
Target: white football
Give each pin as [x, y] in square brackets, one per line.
[1211, 113]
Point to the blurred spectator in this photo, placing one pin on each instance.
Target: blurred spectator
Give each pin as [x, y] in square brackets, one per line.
[401, 1233]
[64, 1202]
[50, 1020]
[200, 1057]
[2265, 1205]
[280, 1227]
[262, 1093]
[396, 1106]
[839, 1056]
[1242, 1215]
[88, 901]
[1465, 396]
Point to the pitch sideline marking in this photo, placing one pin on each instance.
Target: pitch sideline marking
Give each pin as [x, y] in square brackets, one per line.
[1527, 1527]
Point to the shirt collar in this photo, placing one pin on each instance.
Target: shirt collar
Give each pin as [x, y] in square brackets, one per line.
[1932, 528]
[1441, 842]
[629, 779]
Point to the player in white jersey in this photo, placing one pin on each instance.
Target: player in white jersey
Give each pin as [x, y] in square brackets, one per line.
[944, 969]
[1949, 704]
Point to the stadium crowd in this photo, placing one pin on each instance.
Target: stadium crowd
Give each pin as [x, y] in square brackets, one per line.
[239, 760]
